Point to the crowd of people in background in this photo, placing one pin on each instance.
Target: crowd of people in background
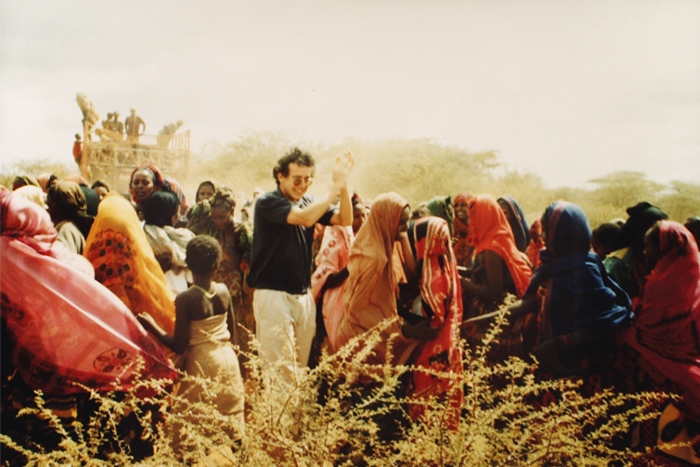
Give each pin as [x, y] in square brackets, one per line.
[147, 274]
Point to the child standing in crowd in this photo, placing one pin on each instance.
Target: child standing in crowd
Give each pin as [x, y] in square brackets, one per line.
[204, 330]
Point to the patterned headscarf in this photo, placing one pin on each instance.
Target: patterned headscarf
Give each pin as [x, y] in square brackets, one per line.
[441, 297]
[124, 261]
[64, 326]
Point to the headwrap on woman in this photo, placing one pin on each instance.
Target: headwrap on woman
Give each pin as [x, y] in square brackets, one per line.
[463, 248]
[371, 289]
[64, 326]
[32, 193]
[579, 295]
[642, 216]
[160, 208]
[69, 204]
[23, 180]
[516, 220]
[43, 180]
[536, 244]
[490, 231]
[441, 206]
[667, 328]
[92, 199]
[124, 261]
[627, 265]
[332, 258]
[441, 298]
[158, 179]
[169, 243]
[176, 188]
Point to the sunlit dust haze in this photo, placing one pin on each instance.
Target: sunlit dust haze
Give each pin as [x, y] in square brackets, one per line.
[567, 90]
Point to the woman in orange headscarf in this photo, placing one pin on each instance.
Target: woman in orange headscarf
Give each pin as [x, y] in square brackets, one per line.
[499, 268]
[371, 290]
[124, 261]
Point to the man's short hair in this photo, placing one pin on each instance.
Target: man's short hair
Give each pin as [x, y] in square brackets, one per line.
[296, 156]
[203, 254]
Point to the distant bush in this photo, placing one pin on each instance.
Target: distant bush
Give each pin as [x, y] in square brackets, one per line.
[34, 168]
[418, 169]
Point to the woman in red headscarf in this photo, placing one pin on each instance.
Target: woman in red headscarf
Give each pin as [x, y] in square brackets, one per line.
[499, 269]
[440, 304]
[536, 244]
[145, 179]
[665, 338]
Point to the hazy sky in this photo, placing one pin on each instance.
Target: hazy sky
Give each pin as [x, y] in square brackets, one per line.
[569, 90]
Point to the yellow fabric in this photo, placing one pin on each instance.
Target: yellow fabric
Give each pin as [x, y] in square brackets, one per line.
[124, 261]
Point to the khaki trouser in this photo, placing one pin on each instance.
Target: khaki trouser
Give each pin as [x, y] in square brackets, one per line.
[285, 325]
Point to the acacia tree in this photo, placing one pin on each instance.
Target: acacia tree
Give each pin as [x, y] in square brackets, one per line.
[527, 188]
[418, 169]
[681, 201]
[624, 188]
[33, 168]
[244, 163]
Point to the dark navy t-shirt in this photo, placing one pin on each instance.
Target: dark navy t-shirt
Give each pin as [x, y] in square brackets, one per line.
[281, 257]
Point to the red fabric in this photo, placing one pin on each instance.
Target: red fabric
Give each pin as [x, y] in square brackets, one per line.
[667, 328]
[440, 290]
[490, 231]
[64, 326]
[77, 151]
[176, 188]
[535, 246]
[332, 258]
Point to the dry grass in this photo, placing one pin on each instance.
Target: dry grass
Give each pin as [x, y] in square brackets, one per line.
[346, 412]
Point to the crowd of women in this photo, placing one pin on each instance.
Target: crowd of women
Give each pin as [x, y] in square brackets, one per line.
[94, 281]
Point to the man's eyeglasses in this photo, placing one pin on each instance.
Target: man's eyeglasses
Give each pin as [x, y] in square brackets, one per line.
[305, 180]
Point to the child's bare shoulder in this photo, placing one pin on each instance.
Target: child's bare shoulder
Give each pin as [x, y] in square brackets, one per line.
[188, 295]
[222, 290]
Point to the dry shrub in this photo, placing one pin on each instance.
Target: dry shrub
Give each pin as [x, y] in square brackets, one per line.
[347, 412]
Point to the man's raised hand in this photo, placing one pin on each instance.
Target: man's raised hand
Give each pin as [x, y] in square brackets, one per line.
[342, 169]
